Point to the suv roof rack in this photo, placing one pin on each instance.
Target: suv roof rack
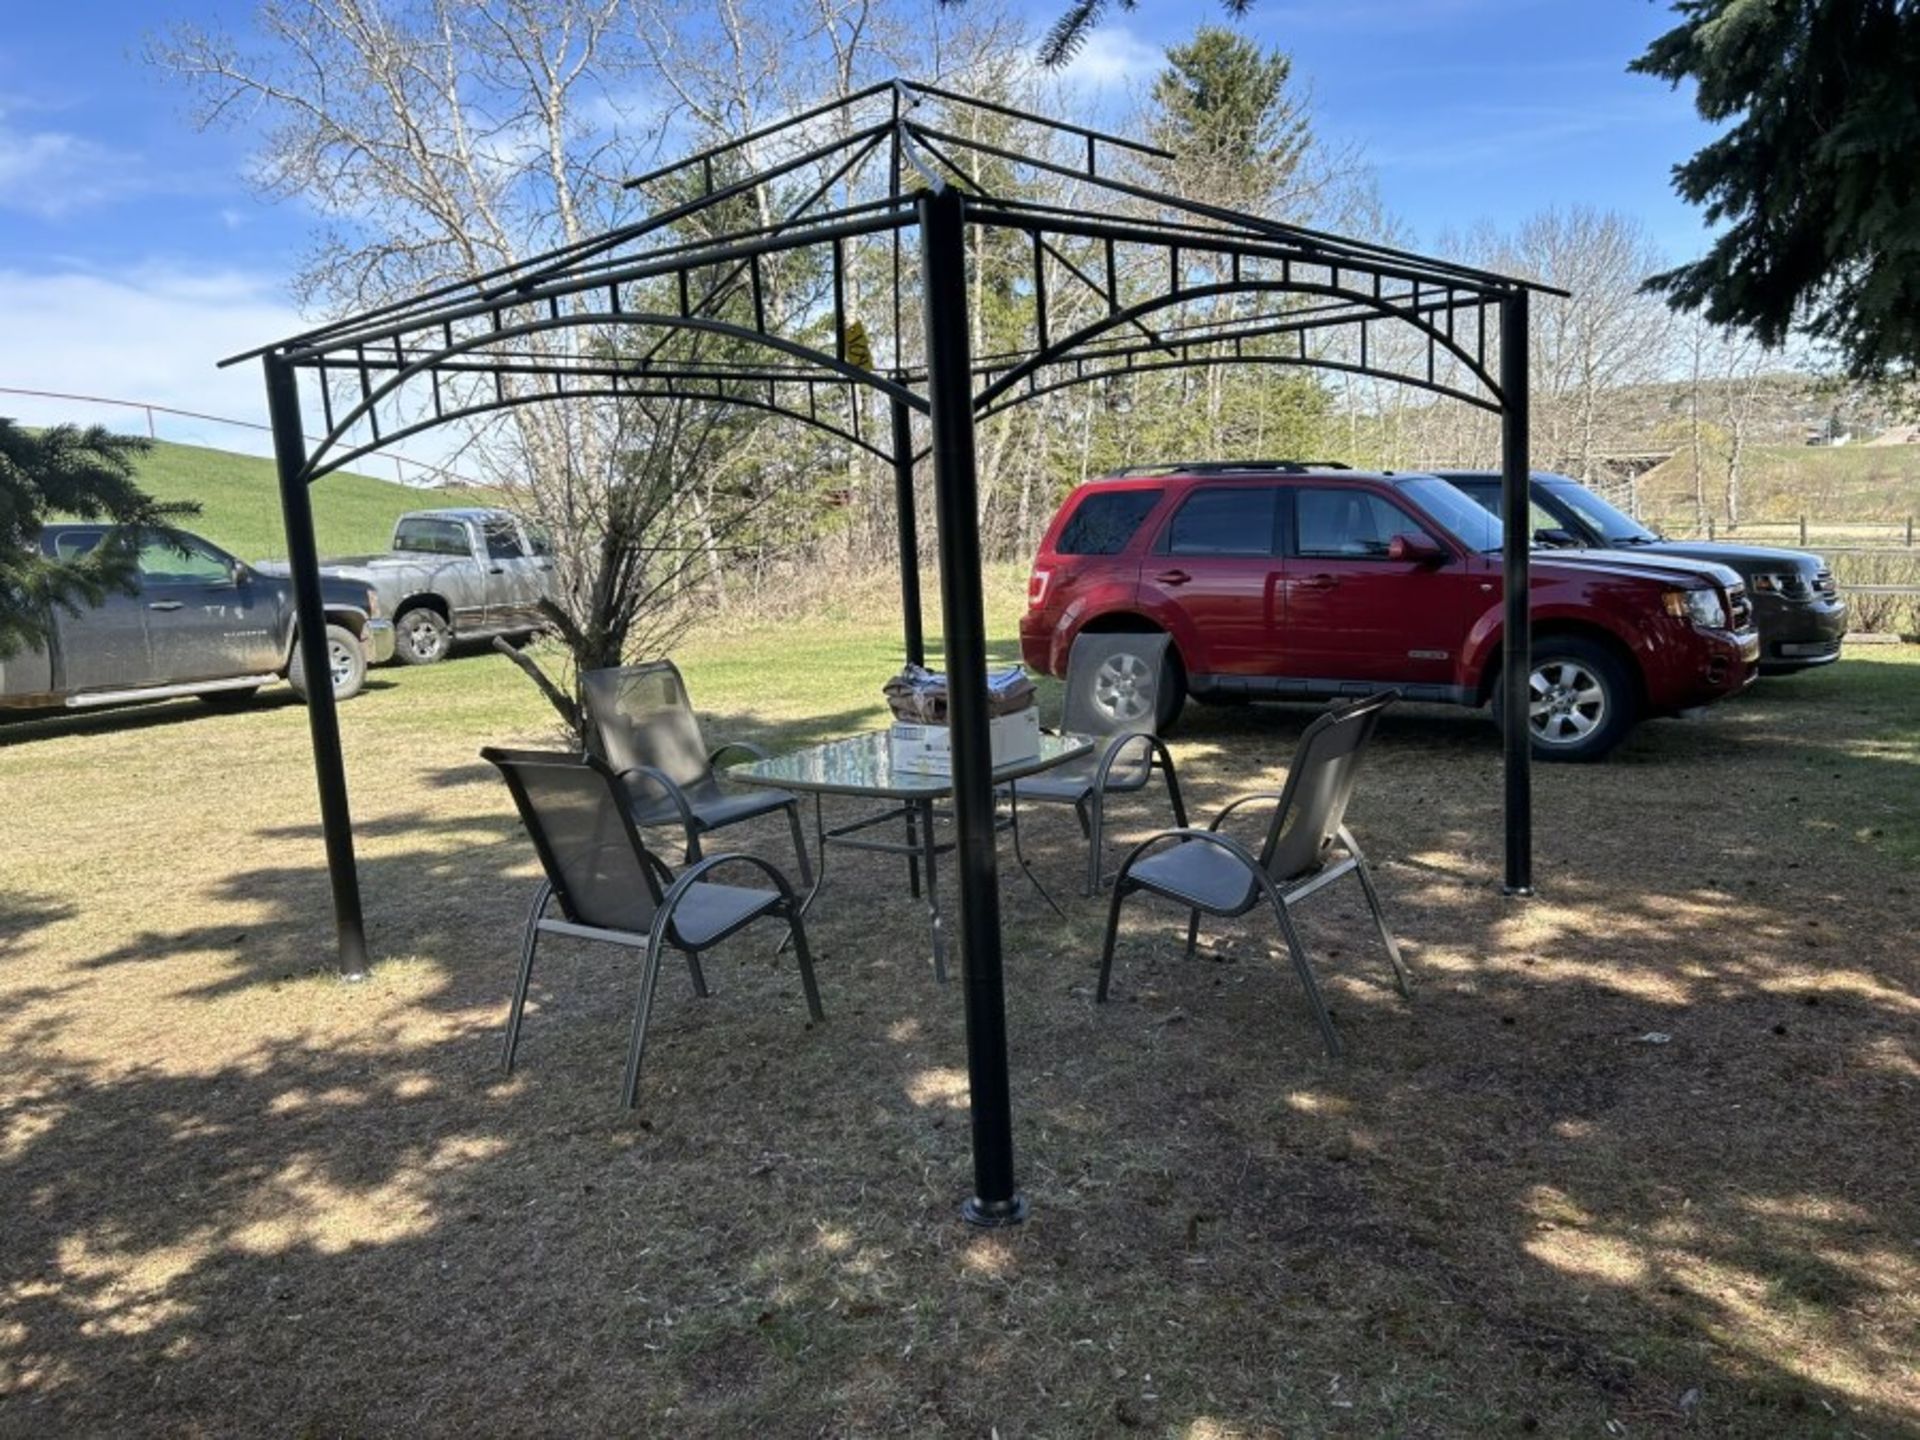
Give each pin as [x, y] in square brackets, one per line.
[1231, 467]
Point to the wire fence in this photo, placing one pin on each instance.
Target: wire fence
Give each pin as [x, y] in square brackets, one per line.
[407, 471]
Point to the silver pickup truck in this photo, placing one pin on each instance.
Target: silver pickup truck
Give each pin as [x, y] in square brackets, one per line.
[198, 623]
[453, 575]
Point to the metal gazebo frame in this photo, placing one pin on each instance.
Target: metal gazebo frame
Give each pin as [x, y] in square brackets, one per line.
[635, 312]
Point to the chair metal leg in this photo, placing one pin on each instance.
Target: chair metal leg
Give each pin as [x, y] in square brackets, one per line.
[1193, 932]
[1096, 843]
[1080, 814]
[693, 846]
[799, 844]
[699, 975]
[527, 946]
[1400, 975]
[642, 1012]
[798, 929]
[1106, 950]
[1315, 1002]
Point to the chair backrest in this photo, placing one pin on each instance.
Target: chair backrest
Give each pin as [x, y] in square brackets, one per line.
[1313, 806]
[576, 815]
[644, 717]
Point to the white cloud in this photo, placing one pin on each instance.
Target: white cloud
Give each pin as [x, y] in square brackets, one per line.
[1112, 59]
[155, 335]
[152, 335]
[52, 173]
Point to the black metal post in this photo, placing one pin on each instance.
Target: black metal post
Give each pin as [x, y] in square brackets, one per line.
[909, 524]
[995, 1200]
[323, 721]
[1517, 505]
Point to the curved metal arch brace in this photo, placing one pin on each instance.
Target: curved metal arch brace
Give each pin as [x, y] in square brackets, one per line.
[1063, 350]
[617, 392]
[639, 318]
[1008, 402]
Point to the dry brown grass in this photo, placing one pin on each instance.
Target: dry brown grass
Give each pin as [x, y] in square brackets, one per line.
[240, 1197]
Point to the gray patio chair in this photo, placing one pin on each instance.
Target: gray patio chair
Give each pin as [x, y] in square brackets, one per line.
[651, 737]
[1214, 874]
[1112, 691]
[611, 888]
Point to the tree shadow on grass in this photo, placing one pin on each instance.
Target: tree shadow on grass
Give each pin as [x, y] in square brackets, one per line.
[1504, 1209]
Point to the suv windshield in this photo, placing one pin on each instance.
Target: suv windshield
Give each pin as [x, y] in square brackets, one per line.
[1614, 527]
[1454, 511]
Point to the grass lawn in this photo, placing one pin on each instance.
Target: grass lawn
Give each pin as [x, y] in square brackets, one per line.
[240, 1197]
[1780, 483]
[240, 501]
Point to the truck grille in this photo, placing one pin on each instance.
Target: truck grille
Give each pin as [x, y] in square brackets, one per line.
[1739, 608]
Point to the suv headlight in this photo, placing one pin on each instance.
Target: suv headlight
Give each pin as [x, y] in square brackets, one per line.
[1789, 583]
[1702, 607]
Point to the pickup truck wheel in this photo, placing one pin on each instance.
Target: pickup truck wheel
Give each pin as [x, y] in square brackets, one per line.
[1580, 701]
[346, 661]
[421, 637]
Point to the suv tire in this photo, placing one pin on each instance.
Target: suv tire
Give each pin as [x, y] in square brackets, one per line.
[1581, 697]
[421, 637]
[346, 657]
[1173, 694]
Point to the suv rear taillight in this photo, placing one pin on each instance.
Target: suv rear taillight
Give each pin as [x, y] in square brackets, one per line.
[1037, 588]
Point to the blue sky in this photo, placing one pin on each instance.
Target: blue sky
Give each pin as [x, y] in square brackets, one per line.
[133, 254]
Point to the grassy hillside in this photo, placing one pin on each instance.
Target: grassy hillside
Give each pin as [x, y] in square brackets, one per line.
[1783, 482]
[240, 501]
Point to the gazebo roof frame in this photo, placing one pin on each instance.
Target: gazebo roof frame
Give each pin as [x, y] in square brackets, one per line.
[874, 168]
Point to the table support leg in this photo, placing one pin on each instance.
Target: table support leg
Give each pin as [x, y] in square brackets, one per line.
[1026, 865]
[928, 848]
[913, 854]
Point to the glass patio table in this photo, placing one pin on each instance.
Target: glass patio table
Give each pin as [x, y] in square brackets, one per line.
[860, 767]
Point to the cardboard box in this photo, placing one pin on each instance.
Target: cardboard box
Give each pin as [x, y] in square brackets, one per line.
[928, 749]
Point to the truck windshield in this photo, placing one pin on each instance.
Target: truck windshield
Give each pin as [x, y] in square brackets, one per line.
[1454, 511]
[1614, 527]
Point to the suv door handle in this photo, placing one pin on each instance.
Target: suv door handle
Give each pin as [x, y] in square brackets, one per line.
[1317, 582]
[164, 605]
[1173, 577]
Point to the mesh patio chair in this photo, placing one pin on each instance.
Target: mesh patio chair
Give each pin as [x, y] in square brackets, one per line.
[611, 888]
[1214, 874]
[1112, 692]
[651, 737]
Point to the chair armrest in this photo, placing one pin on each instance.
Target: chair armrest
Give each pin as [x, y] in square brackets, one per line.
[666, 786]
[1272, 797]
[747, 745]
[1156, 752]
[696, 873]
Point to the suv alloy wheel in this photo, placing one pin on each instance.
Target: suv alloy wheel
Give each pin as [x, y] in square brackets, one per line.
[1579, 699]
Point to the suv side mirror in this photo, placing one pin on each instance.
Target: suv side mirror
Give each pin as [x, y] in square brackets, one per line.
[1418, 549]
[1555, 536]
[240, 574]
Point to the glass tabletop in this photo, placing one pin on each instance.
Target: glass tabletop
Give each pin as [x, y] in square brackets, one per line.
[860, 765]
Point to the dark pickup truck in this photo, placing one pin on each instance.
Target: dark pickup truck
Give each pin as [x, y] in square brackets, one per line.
[199, 623]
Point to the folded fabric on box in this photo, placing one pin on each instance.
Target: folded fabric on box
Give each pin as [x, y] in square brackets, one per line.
[919, 696]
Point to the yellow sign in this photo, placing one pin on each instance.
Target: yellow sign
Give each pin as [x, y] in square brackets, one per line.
[857, 348]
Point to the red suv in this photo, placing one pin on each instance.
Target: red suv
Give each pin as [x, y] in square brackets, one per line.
[1282, 581]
